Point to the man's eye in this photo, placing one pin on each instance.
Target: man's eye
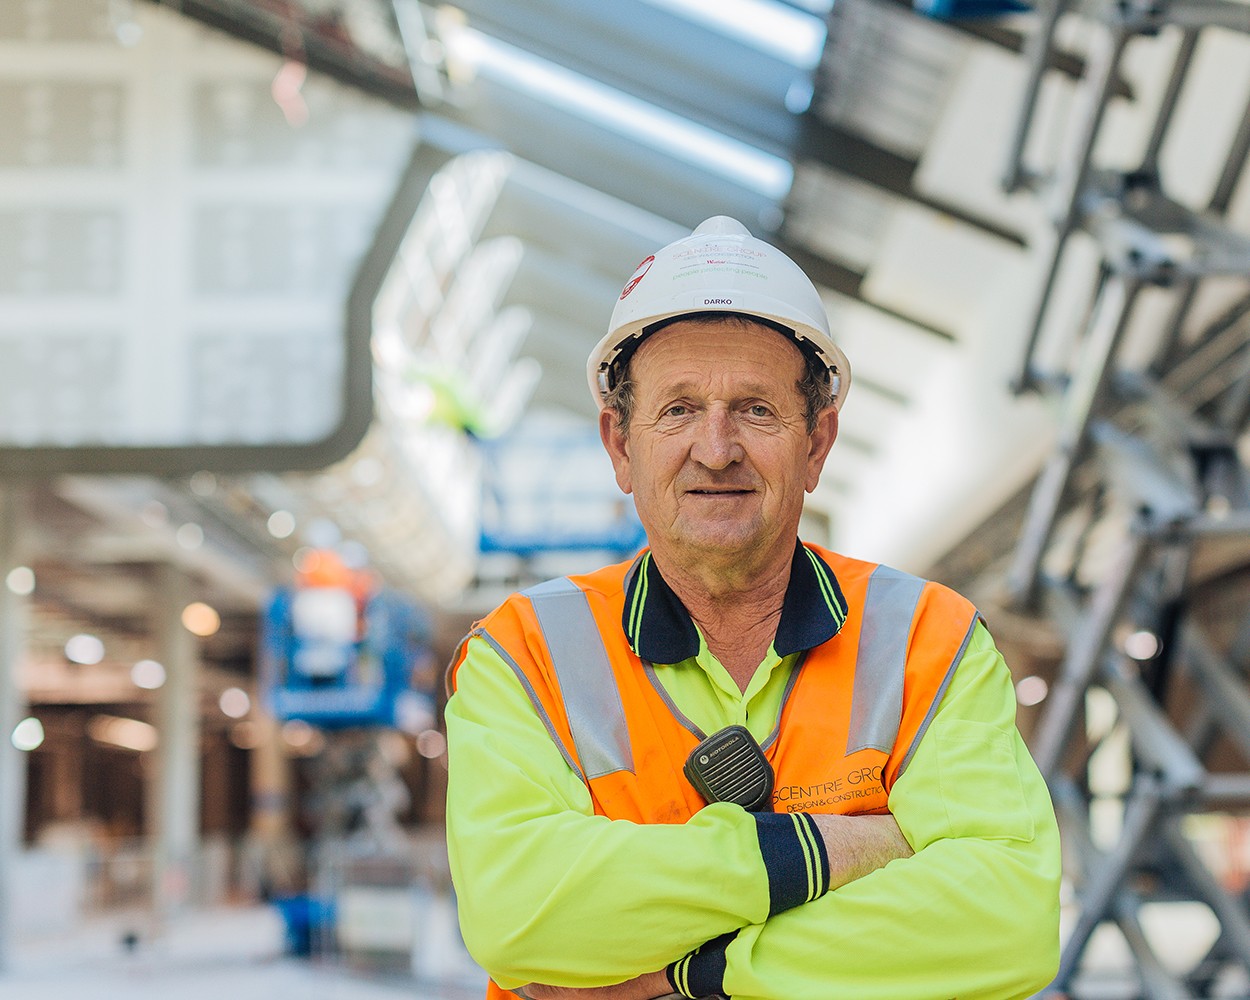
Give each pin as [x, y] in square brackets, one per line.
[676, 410]
[760, 410]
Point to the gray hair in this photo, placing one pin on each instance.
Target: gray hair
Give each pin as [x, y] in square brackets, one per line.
[816, 386]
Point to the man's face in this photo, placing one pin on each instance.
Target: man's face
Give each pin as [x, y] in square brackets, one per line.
[717, 453]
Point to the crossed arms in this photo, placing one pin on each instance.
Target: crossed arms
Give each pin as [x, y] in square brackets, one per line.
[551, 894]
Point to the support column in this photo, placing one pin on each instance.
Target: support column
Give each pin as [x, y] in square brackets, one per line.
[279, 868]
[174, 790]
[12, 709]
[66, 784]
[270, 779]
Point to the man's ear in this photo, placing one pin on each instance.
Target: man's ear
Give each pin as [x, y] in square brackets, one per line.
[818, 444]
[616, 443]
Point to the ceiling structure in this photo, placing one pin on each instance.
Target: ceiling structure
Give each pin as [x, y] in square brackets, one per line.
[810, 125]
[533, 152]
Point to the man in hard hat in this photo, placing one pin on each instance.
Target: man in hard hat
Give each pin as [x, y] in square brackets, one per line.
[738, 764]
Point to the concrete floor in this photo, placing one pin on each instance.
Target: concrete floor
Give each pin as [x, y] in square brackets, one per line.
[238, 953]
[220, 954]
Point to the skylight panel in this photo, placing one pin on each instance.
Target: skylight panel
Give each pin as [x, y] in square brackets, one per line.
[596, 102]
[778, 29]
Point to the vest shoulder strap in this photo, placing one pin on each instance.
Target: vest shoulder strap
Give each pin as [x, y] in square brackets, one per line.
[588, 687]
[881, 661]
[891, 613]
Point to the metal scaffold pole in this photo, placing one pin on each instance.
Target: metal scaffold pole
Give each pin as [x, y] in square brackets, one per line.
[1146, 481]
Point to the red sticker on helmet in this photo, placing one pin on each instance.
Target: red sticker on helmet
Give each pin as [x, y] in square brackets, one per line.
[639, 274]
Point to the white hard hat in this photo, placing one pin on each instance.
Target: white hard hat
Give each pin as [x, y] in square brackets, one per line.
[720, 267]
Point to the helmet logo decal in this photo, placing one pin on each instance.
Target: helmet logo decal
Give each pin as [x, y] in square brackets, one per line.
[639, 273]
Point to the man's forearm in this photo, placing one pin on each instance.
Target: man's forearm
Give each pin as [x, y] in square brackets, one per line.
[857, 845]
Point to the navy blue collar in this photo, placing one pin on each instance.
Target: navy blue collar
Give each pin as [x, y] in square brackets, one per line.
[660, 629]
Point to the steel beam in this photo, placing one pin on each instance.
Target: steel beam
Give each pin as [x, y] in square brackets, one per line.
[1085, 652]
[1090, 378]
[845, 281]
[1141, 814]
[849, 153]
[1234, 923]
[1002, 36]
[1225, 688]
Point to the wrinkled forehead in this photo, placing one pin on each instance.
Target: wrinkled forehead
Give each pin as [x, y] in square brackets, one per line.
[716, 339]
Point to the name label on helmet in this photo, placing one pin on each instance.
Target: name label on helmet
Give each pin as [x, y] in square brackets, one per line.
[718, 302]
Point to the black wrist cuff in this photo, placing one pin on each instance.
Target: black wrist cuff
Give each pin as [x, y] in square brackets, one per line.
[795, 858]
[702, 972]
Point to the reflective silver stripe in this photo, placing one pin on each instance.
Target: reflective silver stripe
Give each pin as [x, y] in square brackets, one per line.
[533, 696]
[946, 682]
[880, 664]
[591, 699]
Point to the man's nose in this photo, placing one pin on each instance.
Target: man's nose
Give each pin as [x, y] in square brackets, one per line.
[717, 445]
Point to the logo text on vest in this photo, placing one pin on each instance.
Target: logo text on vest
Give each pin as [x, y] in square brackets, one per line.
[858, 783]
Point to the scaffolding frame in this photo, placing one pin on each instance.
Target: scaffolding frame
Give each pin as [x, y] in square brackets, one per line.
[1145, 474]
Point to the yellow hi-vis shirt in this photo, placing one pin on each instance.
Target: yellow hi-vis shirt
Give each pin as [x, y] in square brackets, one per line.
[548, 892]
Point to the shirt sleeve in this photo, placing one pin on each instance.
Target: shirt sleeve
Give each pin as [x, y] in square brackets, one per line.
[549, 892]
[973, 914]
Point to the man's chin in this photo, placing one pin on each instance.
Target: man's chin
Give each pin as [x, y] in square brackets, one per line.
[723, 538]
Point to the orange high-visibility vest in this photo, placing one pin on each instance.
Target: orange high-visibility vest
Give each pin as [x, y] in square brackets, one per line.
[853, 714]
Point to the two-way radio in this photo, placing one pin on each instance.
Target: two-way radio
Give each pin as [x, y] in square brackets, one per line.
[729, 766]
